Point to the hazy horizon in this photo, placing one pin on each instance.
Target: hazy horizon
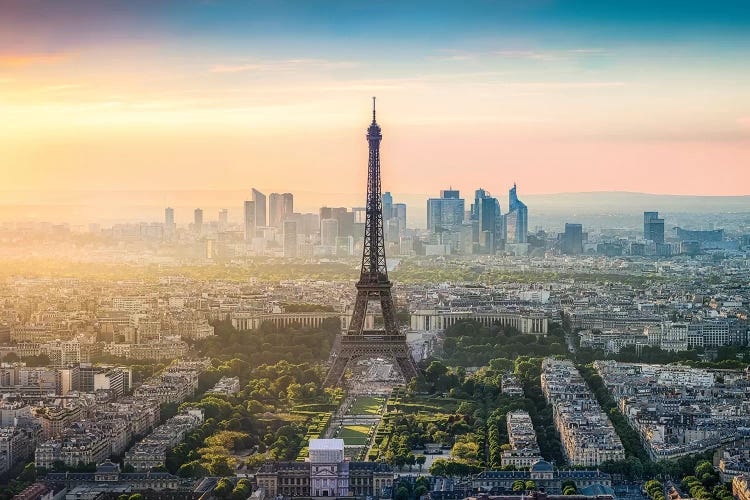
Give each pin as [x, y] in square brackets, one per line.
[80, 207]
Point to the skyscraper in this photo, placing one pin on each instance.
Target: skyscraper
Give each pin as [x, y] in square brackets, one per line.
[223, 219]
[399, 212]
[653, 227]
[445, 213]
[517, 219]
[260, 208]
[249, 216]
[344, 217]
[280, 206]
[572, 239]
[169, 227]
[392, 230]
[169, 217]
[387, 206]
[486, 222]
[329, 231]
[290, 238]
[198, 221]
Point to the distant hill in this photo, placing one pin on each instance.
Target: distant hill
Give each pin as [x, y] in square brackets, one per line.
[621, 202]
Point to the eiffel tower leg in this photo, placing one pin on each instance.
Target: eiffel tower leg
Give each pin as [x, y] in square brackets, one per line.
[389, 313]
[357, 324]
[336, 372]
[407, 366]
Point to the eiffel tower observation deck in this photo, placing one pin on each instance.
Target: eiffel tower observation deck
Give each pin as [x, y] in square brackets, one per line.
[373, 286]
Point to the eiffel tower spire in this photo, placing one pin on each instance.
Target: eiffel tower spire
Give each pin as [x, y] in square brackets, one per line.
[373, 286]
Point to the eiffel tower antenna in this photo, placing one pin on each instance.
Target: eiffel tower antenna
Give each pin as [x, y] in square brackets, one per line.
[373, 286]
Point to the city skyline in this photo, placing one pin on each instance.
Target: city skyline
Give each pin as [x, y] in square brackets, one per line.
[566, 97]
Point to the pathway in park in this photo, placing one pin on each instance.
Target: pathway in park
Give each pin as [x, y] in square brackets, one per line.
[355, 423]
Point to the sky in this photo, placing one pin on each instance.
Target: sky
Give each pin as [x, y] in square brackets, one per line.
[557, 96]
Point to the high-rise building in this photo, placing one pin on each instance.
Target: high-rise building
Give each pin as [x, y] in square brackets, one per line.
[653, 227]
[280, 206]
[445, 213]
[360, 213]
[223, 219]
[275, 209]
[169, 216]
[486, 222]
[399, 212]
[249, 216]
[387, 206]
[516, 220]
[329, 231]
[392, 230]
[344, 217]
[309, 224]
[290, 238]
[260, 208]
[169, 226]
[344, 245]
[198, 221]
[572, 239]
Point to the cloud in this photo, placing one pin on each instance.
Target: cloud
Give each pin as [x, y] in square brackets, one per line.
[28, 59]
[235, 68]
[283, 65]
[527, 54]
[51, 89]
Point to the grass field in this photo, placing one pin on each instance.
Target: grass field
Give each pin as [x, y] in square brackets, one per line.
[366, 405]
[430, 404]
[355, 435]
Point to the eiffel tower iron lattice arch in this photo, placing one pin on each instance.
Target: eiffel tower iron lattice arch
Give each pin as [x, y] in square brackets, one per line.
[373, 285]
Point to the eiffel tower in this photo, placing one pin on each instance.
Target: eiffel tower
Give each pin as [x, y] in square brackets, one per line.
[373, 286]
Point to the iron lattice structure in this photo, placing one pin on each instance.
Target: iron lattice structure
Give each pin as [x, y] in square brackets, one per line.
[373, 286]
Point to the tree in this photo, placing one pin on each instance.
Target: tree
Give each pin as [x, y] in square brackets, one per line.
[402, 493]
[11, 357]
[421, 459]
[704, 467]
[518, 485]
[569, 487]
[28, 474]
[438, 467]
[223, 488]
[654, 489]
[465, 451]
[242, 490]
[530, 485]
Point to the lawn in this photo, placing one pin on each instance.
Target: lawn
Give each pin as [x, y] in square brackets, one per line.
[366, 405]
[355, 435]
[430, 404]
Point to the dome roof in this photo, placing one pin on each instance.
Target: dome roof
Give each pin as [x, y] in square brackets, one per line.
[542, 466]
